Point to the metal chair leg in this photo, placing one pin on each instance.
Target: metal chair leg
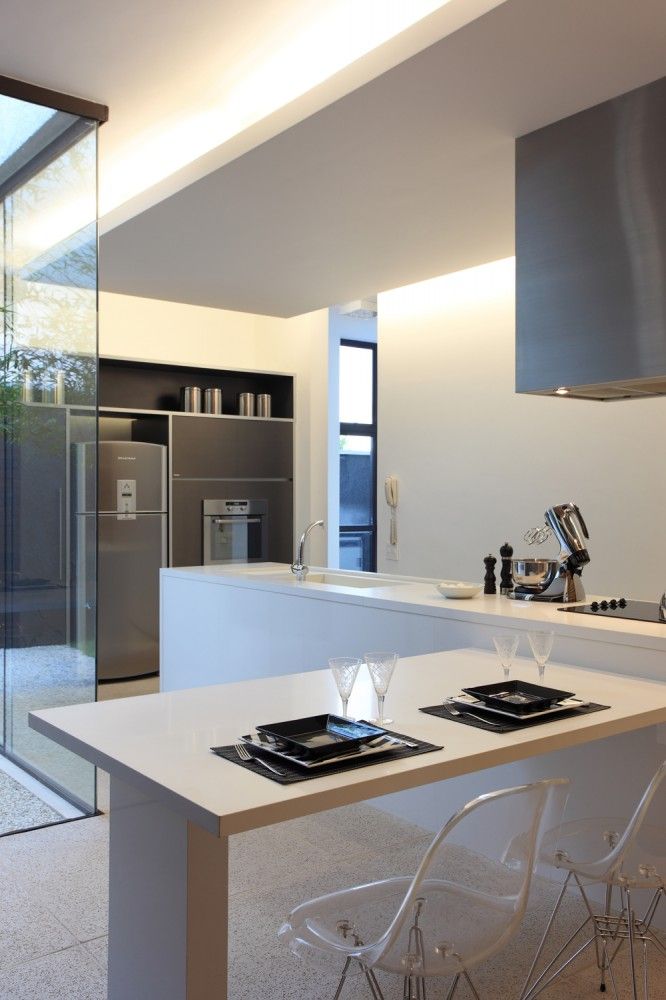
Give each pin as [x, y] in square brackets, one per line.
[631, 929]
[338, 992]
[471, 984]
[414, 986]
[372, 983]
[454, 987]
[545, 936]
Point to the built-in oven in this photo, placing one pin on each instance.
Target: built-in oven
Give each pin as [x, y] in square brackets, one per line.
[235, 531]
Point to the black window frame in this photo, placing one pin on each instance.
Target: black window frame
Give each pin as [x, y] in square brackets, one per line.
[364, 430]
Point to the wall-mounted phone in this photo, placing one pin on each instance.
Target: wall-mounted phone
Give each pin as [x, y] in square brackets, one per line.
[391, 492]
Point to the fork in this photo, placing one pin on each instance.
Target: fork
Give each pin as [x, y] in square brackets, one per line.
[452, 709]
[244, 754]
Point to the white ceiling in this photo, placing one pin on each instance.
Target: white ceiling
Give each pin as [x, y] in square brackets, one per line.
[408, 176]
[211, 78]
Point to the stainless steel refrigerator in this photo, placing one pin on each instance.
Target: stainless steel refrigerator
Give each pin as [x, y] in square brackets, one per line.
[131, 521]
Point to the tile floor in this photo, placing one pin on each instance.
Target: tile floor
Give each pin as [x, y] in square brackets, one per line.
[54, 894]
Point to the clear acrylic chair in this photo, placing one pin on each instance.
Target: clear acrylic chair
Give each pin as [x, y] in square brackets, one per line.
[464, 904]
[623, 855]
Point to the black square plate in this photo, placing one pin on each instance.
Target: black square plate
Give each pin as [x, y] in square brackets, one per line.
[519, 697]
[322, 735]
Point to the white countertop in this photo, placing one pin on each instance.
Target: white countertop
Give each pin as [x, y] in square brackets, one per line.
[419, 596]
[160, 743]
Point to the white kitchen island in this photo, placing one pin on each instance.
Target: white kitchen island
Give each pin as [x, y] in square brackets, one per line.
[174, 804]
[229, 623]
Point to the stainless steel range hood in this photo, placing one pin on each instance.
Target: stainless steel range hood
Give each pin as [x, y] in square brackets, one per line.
[591, 251]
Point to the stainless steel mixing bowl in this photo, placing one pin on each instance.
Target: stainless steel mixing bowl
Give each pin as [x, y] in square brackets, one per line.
[535, 573]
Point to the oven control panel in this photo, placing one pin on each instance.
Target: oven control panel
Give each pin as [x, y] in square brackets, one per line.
[235, 507]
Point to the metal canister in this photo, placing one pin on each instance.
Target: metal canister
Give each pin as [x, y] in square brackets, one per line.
[246, 404]
[190, 399]
[264, 404]
[60, 388]
[213, 401]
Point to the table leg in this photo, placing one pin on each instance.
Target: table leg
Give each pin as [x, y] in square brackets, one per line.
[168, 903]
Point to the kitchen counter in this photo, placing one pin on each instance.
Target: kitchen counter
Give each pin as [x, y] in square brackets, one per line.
[236, 622]
[418, 595]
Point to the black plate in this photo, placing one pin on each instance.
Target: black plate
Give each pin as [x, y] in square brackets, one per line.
[322, 735]
[521, 697]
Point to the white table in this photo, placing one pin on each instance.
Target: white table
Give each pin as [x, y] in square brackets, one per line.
[174, 804]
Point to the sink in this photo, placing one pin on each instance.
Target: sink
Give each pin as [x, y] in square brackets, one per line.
[342, 580]
[332, 579]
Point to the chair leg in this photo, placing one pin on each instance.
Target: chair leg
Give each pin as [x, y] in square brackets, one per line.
[338, 992]
[372, 983]
[471, 984]
[602, 952]
[545, 936]
[454, 987]
[414, 988]
[632, 957]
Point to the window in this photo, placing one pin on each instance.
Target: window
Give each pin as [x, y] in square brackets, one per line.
[358, 455]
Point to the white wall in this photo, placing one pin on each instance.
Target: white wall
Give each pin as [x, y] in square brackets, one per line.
[154, 330]
[479, 464]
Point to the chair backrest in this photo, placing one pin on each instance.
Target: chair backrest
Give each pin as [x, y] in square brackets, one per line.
[486, 850]
[609, 866]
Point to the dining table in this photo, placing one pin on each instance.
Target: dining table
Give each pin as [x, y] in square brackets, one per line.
[174, 804]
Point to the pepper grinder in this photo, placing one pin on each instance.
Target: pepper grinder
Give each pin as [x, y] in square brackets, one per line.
[506, 579]
[489, 581]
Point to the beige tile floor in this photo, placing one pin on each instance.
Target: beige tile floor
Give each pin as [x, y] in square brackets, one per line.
[54, 896]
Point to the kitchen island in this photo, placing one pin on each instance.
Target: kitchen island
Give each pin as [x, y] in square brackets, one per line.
[174, 804]
[235, 622]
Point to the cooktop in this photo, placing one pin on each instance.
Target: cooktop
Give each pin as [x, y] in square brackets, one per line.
[640, 611]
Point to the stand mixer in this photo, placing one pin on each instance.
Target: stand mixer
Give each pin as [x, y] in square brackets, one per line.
[556, 579]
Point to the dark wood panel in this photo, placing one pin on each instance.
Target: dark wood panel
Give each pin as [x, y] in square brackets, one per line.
[204, 448]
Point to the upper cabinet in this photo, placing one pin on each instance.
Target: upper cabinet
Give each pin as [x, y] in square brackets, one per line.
[204, 448]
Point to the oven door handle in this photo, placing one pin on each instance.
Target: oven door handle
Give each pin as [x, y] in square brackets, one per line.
[236, 520]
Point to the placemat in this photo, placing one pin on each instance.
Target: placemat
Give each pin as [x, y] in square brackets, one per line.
[510, 727]
[292, 773]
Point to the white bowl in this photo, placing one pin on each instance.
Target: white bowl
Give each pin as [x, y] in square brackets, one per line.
[458, 589]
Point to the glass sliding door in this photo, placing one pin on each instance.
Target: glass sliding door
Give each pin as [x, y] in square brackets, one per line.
[48, 400]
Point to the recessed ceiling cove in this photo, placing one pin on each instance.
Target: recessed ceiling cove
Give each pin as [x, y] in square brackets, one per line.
[409, 176]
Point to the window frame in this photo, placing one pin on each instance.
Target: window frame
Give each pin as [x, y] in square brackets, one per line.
[369, 431]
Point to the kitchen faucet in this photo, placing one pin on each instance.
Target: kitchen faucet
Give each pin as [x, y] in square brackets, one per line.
[297, 568]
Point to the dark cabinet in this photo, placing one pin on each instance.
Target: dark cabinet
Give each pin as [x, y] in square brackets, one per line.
[187, 496]
[237, 448]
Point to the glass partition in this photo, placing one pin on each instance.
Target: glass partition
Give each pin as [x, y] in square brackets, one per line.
[48, 399]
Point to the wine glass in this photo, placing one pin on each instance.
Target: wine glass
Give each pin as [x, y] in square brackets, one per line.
[381, 667]
[345, 670]
[542, 646]
[506, 646]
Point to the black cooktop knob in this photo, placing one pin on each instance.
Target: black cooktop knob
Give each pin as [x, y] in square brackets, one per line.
[604, 605]
[594, 606]
[613, 603]
[622, 603]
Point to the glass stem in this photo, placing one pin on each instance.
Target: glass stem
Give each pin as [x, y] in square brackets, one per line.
[380, 708]
[345, 702]
[542, 670]
[506, 673]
